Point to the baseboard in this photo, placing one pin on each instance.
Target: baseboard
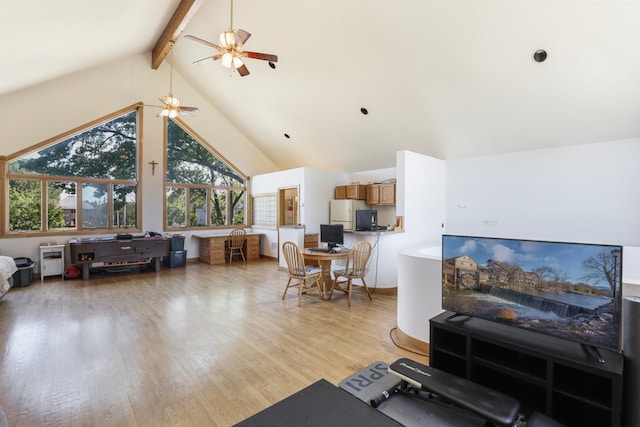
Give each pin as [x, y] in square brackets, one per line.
[384, 291]
[412, 343]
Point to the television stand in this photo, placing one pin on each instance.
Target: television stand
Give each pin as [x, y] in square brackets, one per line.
[547, 374]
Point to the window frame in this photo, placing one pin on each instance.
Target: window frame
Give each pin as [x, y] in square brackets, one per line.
[79, 181]
[208, 188]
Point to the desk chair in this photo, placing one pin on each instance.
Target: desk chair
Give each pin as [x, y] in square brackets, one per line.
[300, 272]
[356, 268]
[236, 241]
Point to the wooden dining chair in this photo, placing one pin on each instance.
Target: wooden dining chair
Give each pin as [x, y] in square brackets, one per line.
[235, 242]
[308, 277]
[356, 268]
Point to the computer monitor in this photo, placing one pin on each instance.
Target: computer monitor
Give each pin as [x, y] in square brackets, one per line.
[366, 220]
[332, 234]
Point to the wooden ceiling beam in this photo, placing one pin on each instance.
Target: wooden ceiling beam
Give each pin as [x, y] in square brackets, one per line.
[181, 17]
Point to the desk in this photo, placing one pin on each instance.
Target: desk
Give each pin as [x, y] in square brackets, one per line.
[325, 265]
[212, 247]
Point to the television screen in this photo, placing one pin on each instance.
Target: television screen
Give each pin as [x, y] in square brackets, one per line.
[570, 290]
[366, 219]
[332, 234]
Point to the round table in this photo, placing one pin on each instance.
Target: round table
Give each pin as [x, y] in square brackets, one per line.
[324, 259]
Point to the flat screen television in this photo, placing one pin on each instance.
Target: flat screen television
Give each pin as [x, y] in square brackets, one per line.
[569, 290]
[332, 234]
[366, 219]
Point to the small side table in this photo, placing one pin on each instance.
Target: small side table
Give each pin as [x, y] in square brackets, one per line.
[51, 261]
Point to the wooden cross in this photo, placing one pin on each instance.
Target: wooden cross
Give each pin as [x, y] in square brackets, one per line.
[153, 164]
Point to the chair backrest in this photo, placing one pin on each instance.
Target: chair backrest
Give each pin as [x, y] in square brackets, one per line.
[358, 258]
[237, 237]
[294, 258]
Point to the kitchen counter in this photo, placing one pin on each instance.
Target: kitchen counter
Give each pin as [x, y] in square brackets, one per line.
[373, 233]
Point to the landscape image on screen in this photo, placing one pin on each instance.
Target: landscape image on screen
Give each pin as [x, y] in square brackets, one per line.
[570, 290]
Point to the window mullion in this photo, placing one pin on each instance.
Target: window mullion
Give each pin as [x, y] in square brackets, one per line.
[44, 210]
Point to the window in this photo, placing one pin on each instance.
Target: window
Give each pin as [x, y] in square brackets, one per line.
[202, 189]
[264, 210]
[84, 180]
[25, 201]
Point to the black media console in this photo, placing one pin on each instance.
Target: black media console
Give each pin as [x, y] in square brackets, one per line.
[560, 378]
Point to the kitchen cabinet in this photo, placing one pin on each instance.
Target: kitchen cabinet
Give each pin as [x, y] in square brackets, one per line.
[381, 194]
[351, 191]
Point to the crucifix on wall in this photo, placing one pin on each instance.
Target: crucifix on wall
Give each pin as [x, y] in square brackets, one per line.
[153, 164]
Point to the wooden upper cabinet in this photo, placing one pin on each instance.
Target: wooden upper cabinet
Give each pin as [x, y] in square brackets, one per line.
[373, 194]
[388, 194]
[381, 194]
[352, 191]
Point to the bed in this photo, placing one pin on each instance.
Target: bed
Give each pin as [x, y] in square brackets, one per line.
[7, 268]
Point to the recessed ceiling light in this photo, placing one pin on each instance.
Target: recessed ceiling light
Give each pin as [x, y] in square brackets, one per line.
[540, 55]
[364, 111]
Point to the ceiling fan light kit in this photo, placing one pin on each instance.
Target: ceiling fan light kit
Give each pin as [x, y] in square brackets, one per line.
[171, 107]
[170, 104]
[230, 50]
[228, 39]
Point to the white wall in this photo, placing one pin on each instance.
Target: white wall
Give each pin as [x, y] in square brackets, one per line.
[319, 189]
[421, 199]
[271, 183]
[375, 175]
[41, 112]
[38, 113]
[587, 193]
[316, 189]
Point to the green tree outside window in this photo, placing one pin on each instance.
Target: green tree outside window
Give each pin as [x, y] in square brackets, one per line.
[216, 191]
[100, 161]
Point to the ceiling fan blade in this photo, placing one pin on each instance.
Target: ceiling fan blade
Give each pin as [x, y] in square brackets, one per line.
[194, 38]
[189, 109]
[243, 70]
[241, 37]
[263, 56]
[208, 59]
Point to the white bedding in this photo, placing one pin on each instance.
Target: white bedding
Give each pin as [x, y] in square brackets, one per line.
[7, 268]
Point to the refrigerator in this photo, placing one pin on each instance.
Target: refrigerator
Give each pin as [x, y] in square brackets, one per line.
[343, 212]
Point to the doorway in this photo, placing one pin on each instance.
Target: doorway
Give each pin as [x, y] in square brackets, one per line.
[288, 203]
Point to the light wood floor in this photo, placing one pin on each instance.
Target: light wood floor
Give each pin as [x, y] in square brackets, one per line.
[189, 346]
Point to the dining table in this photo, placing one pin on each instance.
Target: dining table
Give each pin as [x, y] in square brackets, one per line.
[324, 259]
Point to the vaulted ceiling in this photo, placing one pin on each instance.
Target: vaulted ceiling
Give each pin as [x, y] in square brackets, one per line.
[446, 78]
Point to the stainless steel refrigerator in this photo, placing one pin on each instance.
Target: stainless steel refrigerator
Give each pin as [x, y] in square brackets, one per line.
[343, 212]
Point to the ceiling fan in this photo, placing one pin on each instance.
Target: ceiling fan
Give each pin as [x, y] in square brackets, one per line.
[171, 107]
[230, 49]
